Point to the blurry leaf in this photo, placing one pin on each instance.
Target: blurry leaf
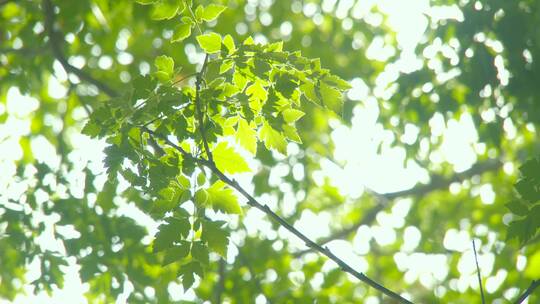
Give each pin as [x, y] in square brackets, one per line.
[517, 207]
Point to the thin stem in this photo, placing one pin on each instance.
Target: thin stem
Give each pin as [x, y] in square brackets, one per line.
[200, 116]
[274, 216]
[528, 292]
[478, 273]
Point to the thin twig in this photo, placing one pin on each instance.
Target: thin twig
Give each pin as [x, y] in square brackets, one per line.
[528, 292]
[478, 273]
[200, 116]
[274, 216]
[55, 42]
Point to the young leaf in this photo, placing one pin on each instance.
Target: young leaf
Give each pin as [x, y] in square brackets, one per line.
[166, 9]
[165, 67]
[181, 32]
[246, 136]
[227, 160]
[292, 115]
[223, 199]
[291, 133]
[212, 11]
[228, 42]
[272, 139]
[210, 43]
[331, 97]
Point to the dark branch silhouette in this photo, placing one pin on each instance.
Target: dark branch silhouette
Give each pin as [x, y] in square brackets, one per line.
[528, 292]
[56, 41]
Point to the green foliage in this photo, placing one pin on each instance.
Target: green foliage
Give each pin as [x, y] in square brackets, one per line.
[136, 68]
[527, 206]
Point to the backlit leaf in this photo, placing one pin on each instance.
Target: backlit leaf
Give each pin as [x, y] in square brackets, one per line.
[210, 43]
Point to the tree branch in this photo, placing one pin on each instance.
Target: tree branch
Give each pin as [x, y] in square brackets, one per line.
[251, 201]
[528, 292]
[385, 199]
[55, 42]
[478, 273]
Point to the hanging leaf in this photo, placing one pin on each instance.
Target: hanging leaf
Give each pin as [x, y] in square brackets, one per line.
[272, 139]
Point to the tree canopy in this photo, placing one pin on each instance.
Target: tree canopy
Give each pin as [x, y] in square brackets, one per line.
[260, 151]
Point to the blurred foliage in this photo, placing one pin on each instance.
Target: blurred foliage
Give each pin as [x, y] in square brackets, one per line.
[476, 61]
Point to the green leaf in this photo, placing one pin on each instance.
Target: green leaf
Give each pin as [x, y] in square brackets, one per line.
[212, 11]
[188, 277]
[335, 81]
[210, 43]
[165, 67]
[517, 207]
[528, 190]
[176, 253]
[331, 97]
[216, 236]
[200, 252]
[173, 231]
[187, 272]
[228, 42]
[222, 198]
[292, 115]
[246, 136]
[257, 95]
[166, 9]
[272, 139]
[291, 133]
[227, 160]
[225, 66]
[91, 129]
[181, 32]
[285, 85]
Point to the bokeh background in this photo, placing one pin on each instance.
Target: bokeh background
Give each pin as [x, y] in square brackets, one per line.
[444, 107]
